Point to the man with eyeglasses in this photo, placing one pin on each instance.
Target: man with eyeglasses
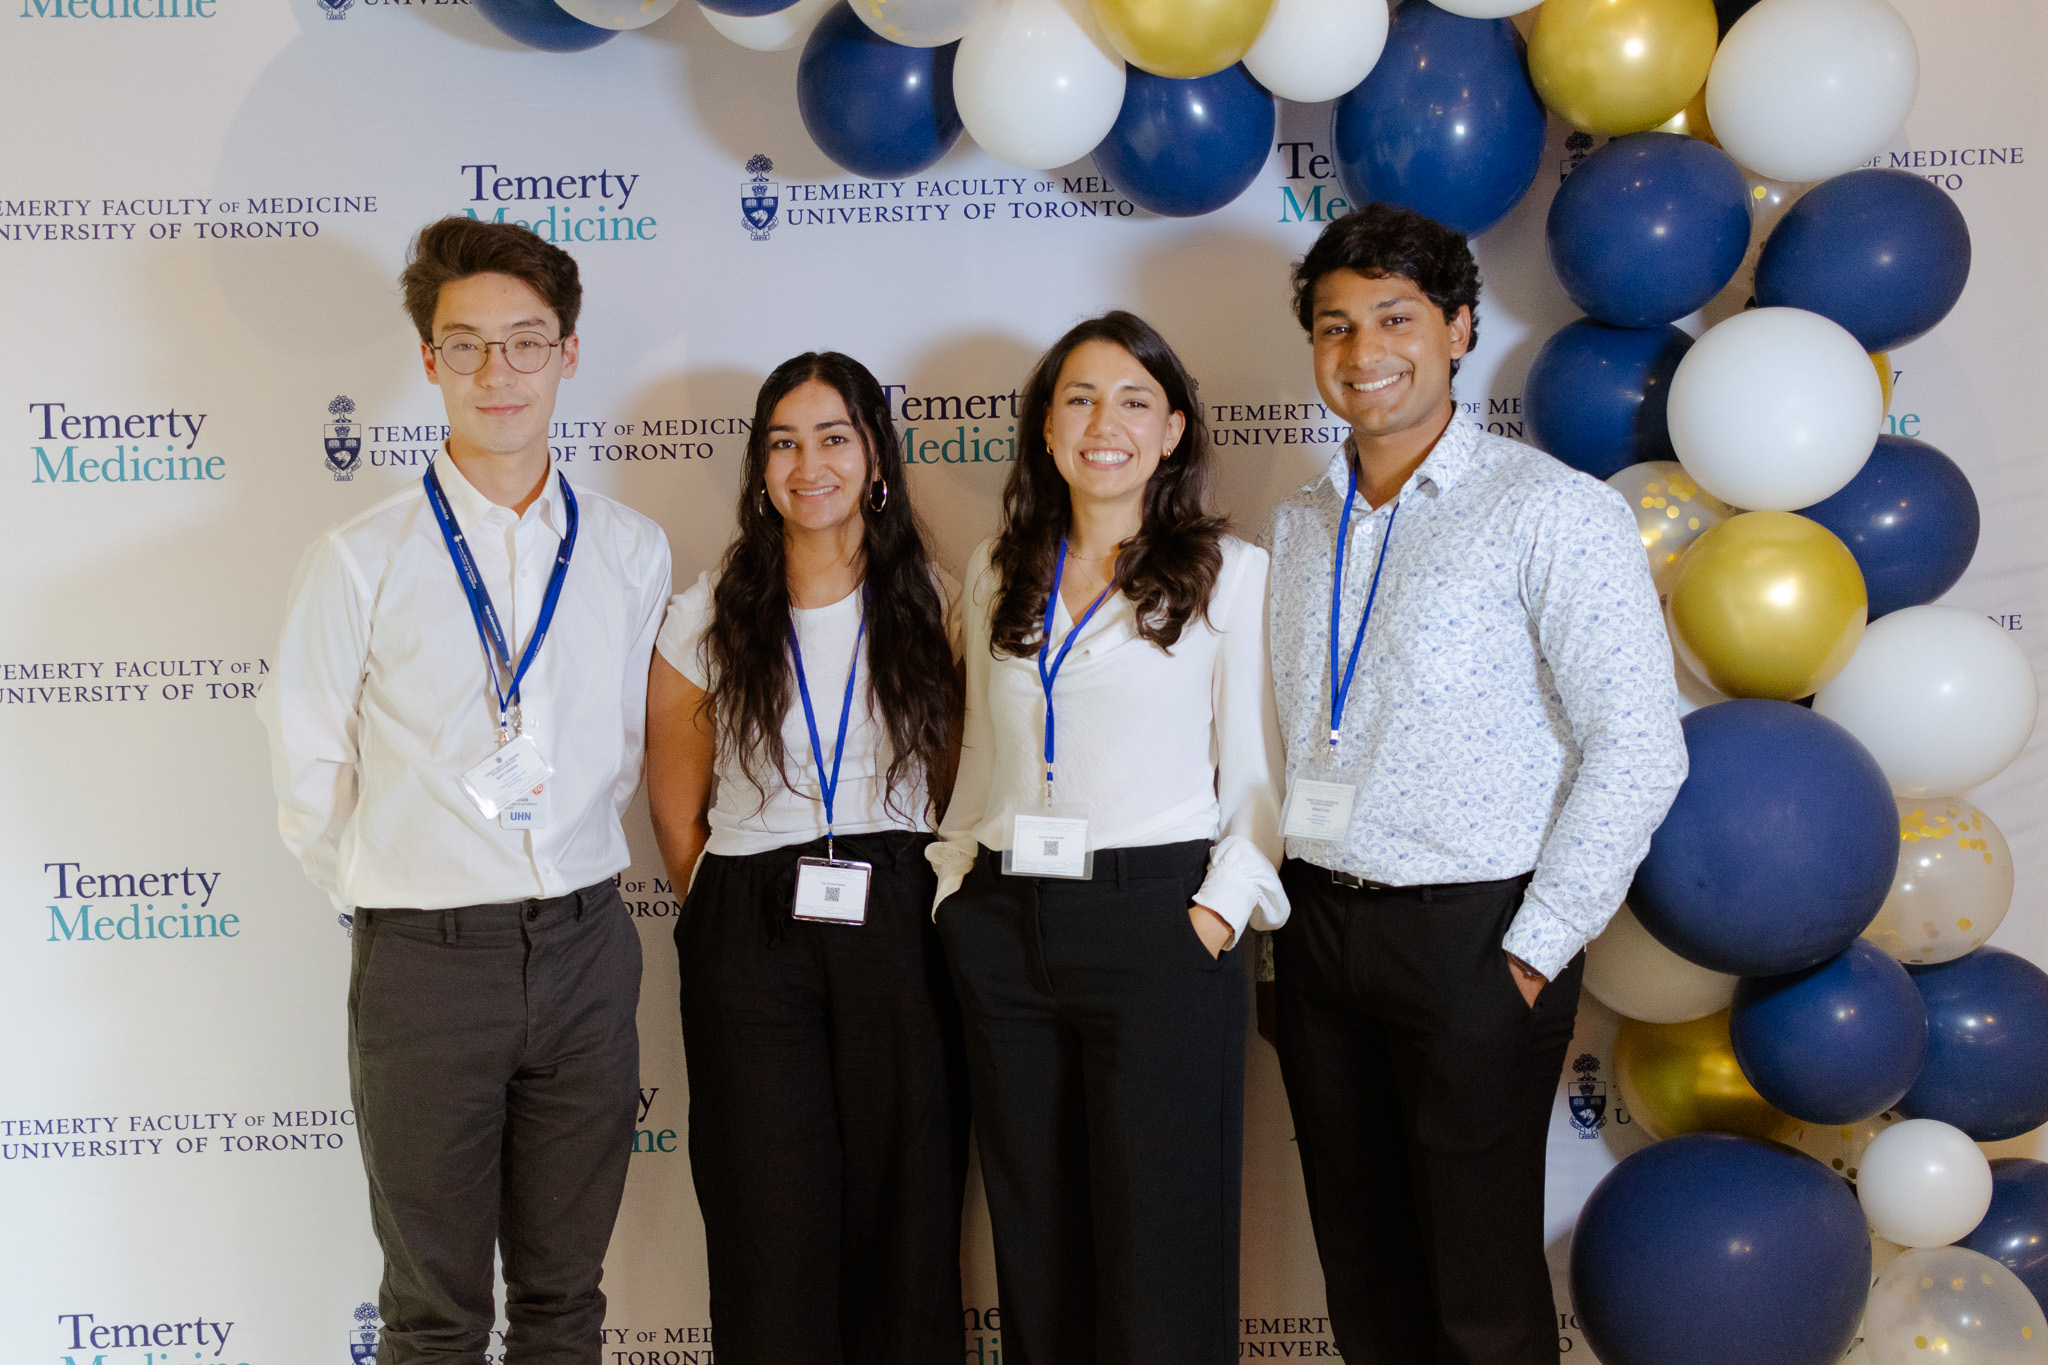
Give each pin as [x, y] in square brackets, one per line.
[456, 717]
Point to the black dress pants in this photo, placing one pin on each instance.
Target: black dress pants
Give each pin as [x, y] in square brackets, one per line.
[495, 1067]
[1422, 1088]
[1106, 1048]
[828, 1112]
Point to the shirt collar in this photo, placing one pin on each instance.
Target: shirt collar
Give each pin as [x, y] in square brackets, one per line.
[1446, 463]
[472, 507]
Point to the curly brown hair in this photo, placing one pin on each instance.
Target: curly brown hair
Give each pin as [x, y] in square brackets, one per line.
[1382, 240]
[458, 246]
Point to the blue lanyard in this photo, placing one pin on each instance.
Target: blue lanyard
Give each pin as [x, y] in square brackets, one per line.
[828, 787]
[1047, 675]
[1339, 692]
[486, 615]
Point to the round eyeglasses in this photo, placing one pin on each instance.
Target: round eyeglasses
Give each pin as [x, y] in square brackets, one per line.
[526, 352]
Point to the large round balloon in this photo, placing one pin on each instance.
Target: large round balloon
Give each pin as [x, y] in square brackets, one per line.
[1779, 848]
[1924, 1184]
[618, 13]
[1953, 1305]
[777, 31]
[1639, 978]
[1767, 604]
[1315, 50]
[1671, 513]
[1182, 38]
[1621, 66]
[1806, 89]
[543, 24]
[2015, 1230]
[1595, 395]
[1447, 124]
[1987, 1066]
[877, 108]
[1910, 518]
[1941, 697]
[1037, 85]
[1774, 409]
[1183, 148]
[1953, 886]
[922, 23]
[1884, 253]
[1684, 1078]
[1710, 1249]
[1835, 1043]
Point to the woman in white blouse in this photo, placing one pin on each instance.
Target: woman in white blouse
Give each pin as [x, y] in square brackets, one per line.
[803, 713]
[1114, 831]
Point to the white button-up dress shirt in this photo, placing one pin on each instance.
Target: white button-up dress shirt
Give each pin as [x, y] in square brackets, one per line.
[380, 697]
[1513, 707]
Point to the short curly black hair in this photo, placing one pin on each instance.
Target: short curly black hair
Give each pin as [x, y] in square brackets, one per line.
[1381, 240]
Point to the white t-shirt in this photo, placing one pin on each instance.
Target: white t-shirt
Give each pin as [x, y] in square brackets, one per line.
[743, 820]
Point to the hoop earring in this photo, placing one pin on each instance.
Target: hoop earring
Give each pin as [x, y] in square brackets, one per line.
[767, 508]
[877, 504]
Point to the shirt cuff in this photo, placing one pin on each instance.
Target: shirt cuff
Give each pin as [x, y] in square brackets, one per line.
[1544, 939]
[1243, 889]
[952, 861]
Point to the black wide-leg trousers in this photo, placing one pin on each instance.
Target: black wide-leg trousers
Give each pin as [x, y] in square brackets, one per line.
[828, 1112]
[1106, 1049]
[1422, 1088]
[495, 1067]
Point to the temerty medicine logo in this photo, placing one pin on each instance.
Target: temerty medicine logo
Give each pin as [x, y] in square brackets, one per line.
[70, 446]
[759, 197]
[87, 1332]
[344, 438]
[155, 906]
[117, 9]
[579, 207]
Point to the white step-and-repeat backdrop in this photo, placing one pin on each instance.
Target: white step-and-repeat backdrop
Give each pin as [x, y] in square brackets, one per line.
[203, 206]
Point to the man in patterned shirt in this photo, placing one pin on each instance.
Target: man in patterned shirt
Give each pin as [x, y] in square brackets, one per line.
[1476, 694]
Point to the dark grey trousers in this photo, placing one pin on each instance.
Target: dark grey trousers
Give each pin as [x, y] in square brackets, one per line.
[494, 1065]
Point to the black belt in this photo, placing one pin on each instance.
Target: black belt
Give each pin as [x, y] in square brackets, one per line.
[1425, 892]
[1120, 865]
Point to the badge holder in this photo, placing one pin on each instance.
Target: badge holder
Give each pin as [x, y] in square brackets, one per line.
[1318, 810]
[832, 890]
[499, 782]
[1049, 841]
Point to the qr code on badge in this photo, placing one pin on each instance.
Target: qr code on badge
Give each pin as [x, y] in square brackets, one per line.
[832, 893]
[1052, 848]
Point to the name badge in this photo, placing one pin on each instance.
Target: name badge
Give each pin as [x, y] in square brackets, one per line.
[1050, 841]
[528, 811]
[1318, 810]
[512, 772]
[832, 890]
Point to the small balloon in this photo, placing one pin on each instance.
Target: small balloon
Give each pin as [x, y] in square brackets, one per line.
[1639, 978]
[776, 32]
[1882, 363]
[1486, 9]
[1840, 1146]
[1954, 883]
[618, 13]
[1595, 395]
[1910, 517]
[1986, 1071]
[1965, 1307]
[1316, 50]
[543, 24]
[1037, 85]
[1182, 38]
[1835, 1043]
[1691, 121]
[1767, 604]
[1184, 148]
[1671, 513]
[1683, 1078]
[1621, 66]
[2015, 1231]
[922, 23]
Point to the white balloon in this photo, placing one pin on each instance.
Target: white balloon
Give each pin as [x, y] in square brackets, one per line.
[922, 23]
[1924, 1183]
[1806, 89]
[1634, 975]
[1951, 1304]
[1314, 50]
[777, 32]
[1037, 84]
[618, 13]
[1775, 409]
[1942, 698]
[1486, 9]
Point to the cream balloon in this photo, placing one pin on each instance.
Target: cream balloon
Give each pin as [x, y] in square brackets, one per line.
[618, 13]
[1953, 886]
[1315, 50]
[1769, 200]
[1775, 409]
[1953, 1305]
[1924, 1183]
[777, 32]
[1639, 978]
[1486, 9]
[1941, 697]
[1807, 89]
[1037, 84]
[921, 23]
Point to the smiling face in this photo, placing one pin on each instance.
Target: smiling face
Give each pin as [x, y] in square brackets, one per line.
[1383, 354]
[817, 471]
[1109, 425]
[497, 411]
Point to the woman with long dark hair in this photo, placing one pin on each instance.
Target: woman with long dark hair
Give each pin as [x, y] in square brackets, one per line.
[1114, 830]
[803, 718]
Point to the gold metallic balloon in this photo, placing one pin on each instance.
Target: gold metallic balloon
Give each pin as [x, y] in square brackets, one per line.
[1691, 121]
[1671, 512]
[1621, 66]
[1181, 38]
[1767, 604]
[1683, 1078]
[1883, 361]
[1953, 886]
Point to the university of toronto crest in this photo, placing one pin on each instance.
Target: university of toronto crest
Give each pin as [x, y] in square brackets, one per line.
[344, 437]
[758, 198]
[362, 1338]
[1586, 1095]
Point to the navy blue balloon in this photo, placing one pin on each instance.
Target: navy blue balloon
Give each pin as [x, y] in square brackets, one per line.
[1447, 122]
[1885, 253]
[2015, 1229]
[1835, 1043]
[543, 24]
[877, 108]
[1728, 11]
[748, 8]
[1910, 517]
[1187, 147]
[1987, 1045]
[1708, 1249]
[1595, 397]
[1780, 848]
[1649, 228]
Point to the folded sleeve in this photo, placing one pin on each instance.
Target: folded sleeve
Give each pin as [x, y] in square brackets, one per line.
[953, 853]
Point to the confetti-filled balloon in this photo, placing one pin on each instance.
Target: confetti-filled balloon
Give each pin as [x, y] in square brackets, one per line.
[1671, 512]
[1953, 886]
[922, 23]
[618, 13]
[1952, 1305]
[1840, 1146]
